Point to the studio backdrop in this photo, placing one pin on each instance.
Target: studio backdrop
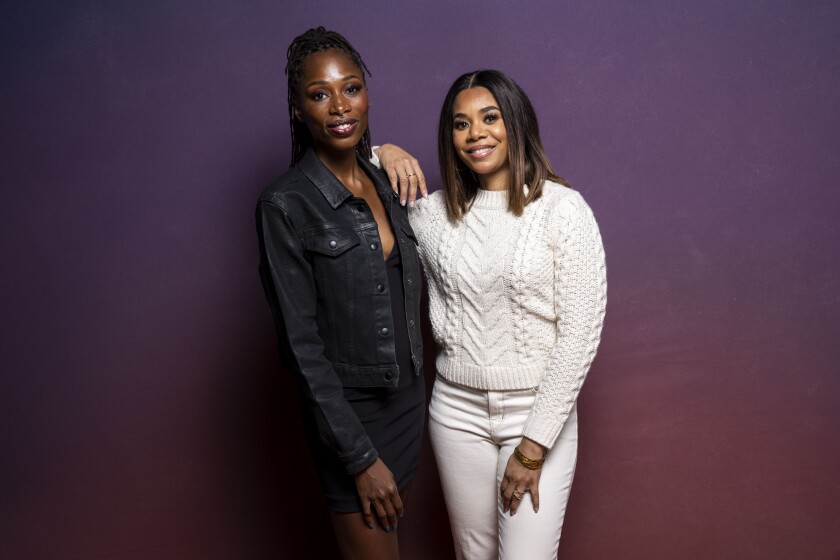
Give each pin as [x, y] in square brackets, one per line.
[144, 413]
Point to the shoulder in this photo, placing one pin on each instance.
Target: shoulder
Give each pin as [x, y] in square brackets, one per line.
[567, 213]
[435, 200]
[427, 210]
[563, 200]
[288, 185]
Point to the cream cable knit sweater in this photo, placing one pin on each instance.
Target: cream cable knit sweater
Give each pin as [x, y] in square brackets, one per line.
[516, 303]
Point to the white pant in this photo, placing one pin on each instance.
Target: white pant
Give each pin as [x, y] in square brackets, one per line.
[473, 434]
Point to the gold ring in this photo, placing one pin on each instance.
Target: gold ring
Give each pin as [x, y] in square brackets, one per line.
[518, 494]
[411, 175]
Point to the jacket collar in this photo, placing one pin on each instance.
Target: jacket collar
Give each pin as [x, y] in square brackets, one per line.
[330, 186]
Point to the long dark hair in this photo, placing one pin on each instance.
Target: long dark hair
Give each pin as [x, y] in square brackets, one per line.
[312, 41]
[528, 161]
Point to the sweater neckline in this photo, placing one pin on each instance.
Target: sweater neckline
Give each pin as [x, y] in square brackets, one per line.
[492, 200]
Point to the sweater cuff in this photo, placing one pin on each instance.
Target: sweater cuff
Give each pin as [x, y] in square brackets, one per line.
[374, 159]
[542, 430]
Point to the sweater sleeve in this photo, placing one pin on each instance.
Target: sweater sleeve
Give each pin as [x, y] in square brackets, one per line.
[580, 296]
[374, 158]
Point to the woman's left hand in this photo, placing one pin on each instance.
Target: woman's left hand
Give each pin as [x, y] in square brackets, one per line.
[519, 479]
[403, 171]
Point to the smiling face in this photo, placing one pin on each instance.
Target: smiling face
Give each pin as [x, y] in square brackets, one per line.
[480, 138]
[332, 101]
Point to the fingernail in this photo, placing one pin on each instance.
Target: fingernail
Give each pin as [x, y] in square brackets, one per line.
[388, 529]
[401, 514]
[402, 202]
[411, 204]
[370, 526]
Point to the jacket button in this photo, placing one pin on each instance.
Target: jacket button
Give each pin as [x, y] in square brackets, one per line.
[388, 376]
[373, 246]
[333, 244]
[409, 281]
[411, 322]
[384, 331]
[380, 288]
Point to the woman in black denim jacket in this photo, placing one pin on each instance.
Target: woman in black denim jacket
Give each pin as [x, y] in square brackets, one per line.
[339, 265]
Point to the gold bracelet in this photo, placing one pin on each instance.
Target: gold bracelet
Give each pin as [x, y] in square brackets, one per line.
[527, 462]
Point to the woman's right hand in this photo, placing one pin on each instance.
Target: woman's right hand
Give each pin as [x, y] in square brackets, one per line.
[404, 173]
[379, 495]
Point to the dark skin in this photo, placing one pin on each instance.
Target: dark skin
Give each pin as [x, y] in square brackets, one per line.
[331, 91]
[404, 173]
[332, 101]
[362, 187]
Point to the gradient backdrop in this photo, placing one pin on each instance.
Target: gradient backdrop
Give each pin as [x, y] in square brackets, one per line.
[144, 412]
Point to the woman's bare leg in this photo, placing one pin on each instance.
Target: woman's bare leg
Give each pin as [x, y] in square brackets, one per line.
[357, 542]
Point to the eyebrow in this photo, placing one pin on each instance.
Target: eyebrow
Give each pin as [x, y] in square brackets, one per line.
[484, 110]
[325, 82]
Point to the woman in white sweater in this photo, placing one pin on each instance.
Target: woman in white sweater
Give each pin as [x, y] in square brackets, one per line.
[517, 292]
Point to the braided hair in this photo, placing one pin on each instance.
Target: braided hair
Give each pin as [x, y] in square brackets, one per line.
[313, 41]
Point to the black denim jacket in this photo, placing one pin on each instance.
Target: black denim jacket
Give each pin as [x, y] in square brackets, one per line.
[324, 274]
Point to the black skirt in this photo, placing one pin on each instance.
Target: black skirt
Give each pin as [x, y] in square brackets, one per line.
[392, 416]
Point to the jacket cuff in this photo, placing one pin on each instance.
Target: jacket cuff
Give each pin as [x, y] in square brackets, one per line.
[361, 458]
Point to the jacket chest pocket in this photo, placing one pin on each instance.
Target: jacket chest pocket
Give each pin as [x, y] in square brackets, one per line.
[332, 256]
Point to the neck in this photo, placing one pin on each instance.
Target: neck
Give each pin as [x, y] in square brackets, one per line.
[497, 181]
[342, 164]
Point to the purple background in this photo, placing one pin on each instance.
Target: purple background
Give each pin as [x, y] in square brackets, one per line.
[144, 413]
